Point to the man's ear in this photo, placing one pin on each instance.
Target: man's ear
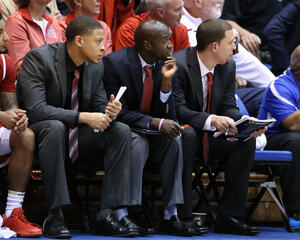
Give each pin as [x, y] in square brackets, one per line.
[77, 3]
[147, 45]
[160, 12]
[78, 41]
[214, 46]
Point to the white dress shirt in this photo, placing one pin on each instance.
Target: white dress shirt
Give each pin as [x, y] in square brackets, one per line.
[204, 71]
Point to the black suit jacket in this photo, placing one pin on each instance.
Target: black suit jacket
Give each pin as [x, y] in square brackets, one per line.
[42, 85]
[189, 95]
[123, 68]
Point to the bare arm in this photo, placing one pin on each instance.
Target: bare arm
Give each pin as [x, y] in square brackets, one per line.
[292, 122]
[8, 100]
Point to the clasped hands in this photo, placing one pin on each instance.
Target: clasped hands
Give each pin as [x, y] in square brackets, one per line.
[14, 119]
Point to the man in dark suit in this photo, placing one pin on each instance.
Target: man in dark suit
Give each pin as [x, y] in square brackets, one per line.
[207, 108]
[149, 63]
[62, 90]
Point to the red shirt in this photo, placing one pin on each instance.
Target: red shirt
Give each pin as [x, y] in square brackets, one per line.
[113, 12]
[125, 33]
[24, 34]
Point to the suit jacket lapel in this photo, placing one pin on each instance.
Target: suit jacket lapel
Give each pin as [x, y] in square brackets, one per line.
[217, 77]
[135, 68]
[196, 81]
[86, 87]
[60, 66]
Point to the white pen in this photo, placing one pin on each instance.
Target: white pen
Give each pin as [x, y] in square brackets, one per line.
[227, 131]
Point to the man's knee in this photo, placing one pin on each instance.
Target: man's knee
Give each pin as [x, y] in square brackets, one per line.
[121, 130]
[24, 140]
[53, 128]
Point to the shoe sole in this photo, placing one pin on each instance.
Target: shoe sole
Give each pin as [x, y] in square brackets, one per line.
[60, 236]
[129, 235]
[235, 233]
[29, 235]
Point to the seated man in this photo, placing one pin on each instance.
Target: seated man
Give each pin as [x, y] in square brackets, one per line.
[281, 101]
[16, 145]
[167, 11]
[61, 87]
[204, 95]
[147, 70]
[248, 67]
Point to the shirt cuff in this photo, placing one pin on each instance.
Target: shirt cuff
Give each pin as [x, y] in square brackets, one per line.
[207, 126]
[164, 96]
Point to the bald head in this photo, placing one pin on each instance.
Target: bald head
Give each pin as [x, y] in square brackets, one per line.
[295, 60]
[150, 31]
[153, 4]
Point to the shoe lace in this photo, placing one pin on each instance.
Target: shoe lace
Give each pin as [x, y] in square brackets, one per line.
[23, 219]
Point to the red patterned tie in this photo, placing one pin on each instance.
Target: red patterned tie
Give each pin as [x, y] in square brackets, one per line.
[73, 133]
[208, 101]
[147, 91]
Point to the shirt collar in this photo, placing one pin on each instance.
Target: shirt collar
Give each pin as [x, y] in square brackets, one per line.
[144, 63]
[203, 68]
[196, 21]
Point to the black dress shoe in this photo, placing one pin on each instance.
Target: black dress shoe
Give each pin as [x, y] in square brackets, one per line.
[175, 227]
[199, 230]
[129, 223]
[111, 226]
[54, 227]
[231, 225]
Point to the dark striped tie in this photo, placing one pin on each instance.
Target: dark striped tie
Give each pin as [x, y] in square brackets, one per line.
[73, 133]
[147, 91]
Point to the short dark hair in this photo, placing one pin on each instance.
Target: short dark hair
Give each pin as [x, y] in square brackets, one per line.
[81, 25]
[211, 30]
[23, 3]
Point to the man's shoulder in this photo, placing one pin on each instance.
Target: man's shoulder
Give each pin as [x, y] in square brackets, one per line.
[46, 49]
[119, 55]
[182, 55]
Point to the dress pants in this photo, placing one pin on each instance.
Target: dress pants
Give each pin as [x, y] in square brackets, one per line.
[51, 140]
[162, 152]
[290, 177]
[238, 158]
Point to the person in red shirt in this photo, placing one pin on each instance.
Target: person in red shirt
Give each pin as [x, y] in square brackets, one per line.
[86, 8]
[167, 11]
[114, 12]
[30, 27]
[16, 145]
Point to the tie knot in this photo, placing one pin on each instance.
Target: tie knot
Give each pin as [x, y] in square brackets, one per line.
[209, 77]
[76, 74]
[148, 69]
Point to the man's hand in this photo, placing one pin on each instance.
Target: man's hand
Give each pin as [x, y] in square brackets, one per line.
[171, 128]
[95, 120]
[113, 107]
[11, 117]
[241, 82]
[258, 132]
[22, 124]
[250, 41]
[167, 71]
[224, 124]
